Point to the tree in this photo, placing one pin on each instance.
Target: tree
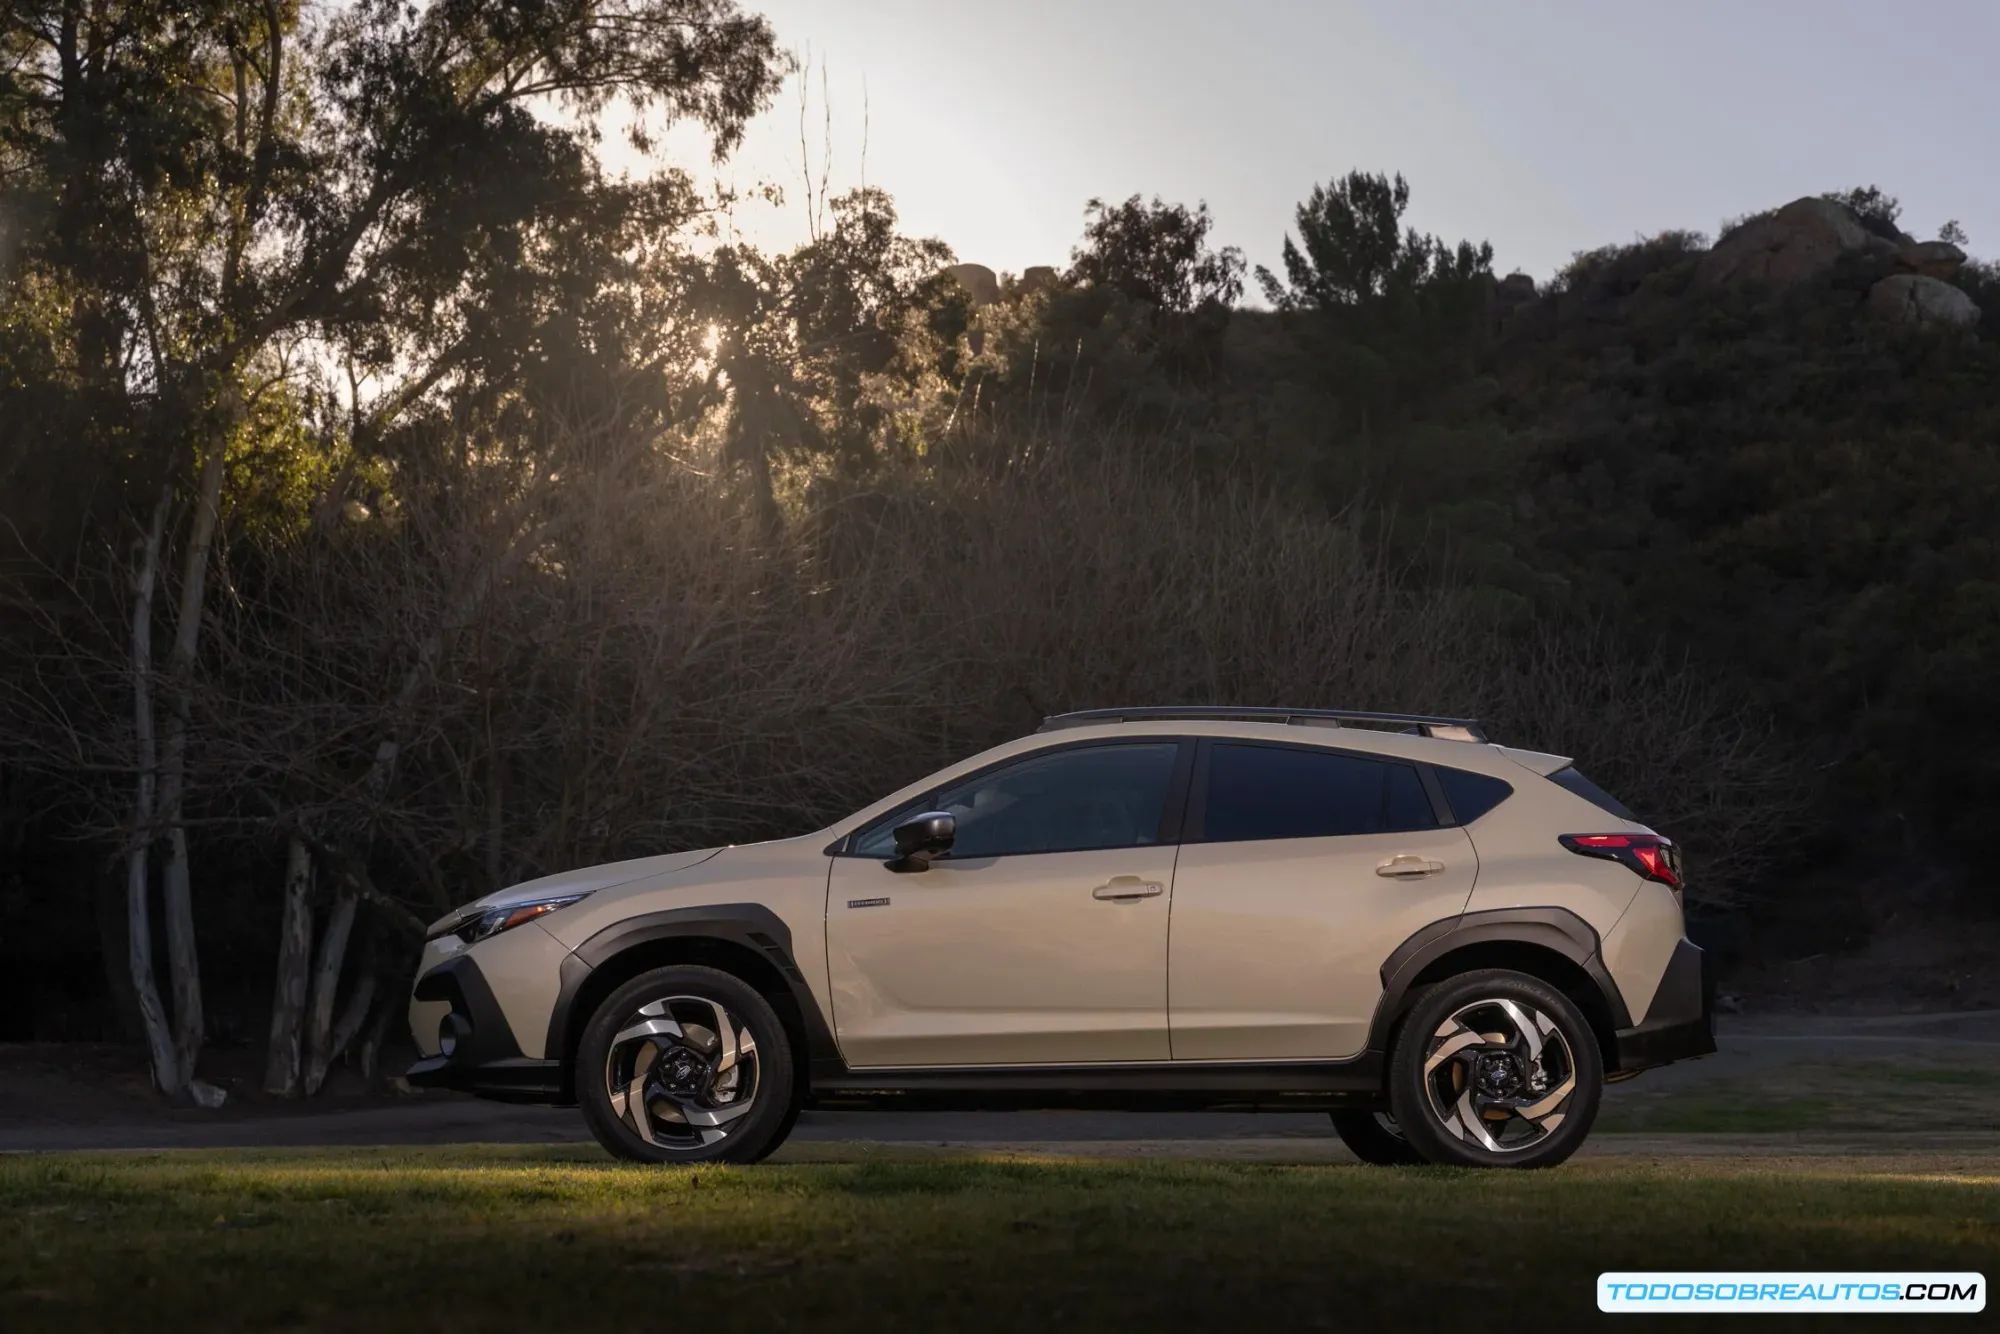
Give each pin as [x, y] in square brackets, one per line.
[237, 194]
[1352, 249]
[1874, 207]
[1156, 253]
[805, 341]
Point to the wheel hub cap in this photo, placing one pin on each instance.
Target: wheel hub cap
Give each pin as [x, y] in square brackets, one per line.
[683, 1074]
[1498, 1075]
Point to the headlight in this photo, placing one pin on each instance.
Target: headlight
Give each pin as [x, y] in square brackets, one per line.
[475, 923]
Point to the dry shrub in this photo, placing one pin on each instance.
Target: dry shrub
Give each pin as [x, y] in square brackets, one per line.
[647, 668]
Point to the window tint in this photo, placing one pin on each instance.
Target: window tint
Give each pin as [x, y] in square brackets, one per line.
[1260, 792]
[1573, 780]
[1471, 795]
[1406, 805]
[1062, 801]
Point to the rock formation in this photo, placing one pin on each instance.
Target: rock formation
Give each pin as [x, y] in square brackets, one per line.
[1037, 278]
[978, 281]
[1799, 240]
[1932, 259]
[1921, 301]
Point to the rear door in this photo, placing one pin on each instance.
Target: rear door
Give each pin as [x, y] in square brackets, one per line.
[1302, 868]
[1040, 940]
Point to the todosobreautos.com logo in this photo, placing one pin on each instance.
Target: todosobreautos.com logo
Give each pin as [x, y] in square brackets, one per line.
[1709, 1293]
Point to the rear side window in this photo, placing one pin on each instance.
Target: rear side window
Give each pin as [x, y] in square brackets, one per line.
[1266, 792]
[1572, 780]
[1471, 795]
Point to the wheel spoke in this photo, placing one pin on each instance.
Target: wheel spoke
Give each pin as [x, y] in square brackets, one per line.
[1537, 1111]
[647, 1028]
[1474, 1123]
[1451, 1047]
[635, 1104]
[714, 1116]
[726, 1035]
[1526, 1029]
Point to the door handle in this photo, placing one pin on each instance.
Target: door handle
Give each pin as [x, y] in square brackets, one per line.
[1403, 866]
[1128, 887]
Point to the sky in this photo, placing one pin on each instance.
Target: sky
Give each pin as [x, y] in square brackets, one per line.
[1546, 128]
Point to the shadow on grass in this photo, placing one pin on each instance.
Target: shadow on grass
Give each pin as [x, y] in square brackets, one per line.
[473, 1238]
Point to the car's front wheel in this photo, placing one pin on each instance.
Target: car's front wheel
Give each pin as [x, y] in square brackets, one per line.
[686, 1064]
[1495, 1069]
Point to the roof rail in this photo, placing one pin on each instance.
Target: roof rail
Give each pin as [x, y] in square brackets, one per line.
[1445, 729]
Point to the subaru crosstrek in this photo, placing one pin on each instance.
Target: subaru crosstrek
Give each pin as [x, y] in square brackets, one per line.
[1448, 945]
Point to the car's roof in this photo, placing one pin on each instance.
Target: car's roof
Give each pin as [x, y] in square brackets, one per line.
[1422, 724]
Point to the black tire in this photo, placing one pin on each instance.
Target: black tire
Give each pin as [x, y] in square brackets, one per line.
[1374, 1138]
[1459, 1113]
[681, 1070]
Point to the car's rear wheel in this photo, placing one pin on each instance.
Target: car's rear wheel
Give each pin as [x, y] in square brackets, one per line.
[1495, 1069]
[1374, 1137]
[686, 1064]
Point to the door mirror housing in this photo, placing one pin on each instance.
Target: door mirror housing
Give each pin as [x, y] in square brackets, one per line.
[922, 837]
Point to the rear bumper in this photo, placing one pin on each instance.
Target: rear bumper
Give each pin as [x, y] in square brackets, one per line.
[483, 1058]
[1680, 1023]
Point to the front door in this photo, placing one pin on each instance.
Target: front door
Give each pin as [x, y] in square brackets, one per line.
[1041, 939]
[1304, 868]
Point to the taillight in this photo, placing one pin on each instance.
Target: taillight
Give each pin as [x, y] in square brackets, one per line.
[1647, 855]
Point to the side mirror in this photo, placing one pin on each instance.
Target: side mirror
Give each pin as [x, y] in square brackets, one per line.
[923, 837]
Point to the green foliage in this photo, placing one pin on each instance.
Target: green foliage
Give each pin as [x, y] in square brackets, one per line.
[1352, 251]
[1157, 254]
[1876, 209]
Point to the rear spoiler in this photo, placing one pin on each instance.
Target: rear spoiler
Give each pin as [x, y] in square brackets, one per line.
[1535, 760]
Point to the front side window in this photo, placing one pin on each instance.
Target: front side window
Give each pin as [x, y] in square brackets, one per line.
[1266, 792]
[1069, 800]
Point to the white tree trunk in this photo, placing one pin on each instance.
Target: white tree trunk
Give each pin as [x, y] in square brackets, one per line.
[326, 978]
[283, 1058]
[177, 895]
[168, 1072]
[360, 999]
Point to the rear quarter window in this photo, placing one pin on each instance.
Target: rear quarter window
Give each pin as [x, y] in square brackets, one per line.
[1471, 795]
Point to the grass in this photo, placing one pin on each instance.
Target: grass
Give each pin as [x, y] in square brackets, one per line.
[1857, 1097]
[490, 1238]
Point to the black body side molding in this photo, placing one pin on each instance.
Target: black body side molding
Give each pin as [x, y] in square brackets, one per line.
[1277, 1086]
[1680, 1023]
[1556, 929]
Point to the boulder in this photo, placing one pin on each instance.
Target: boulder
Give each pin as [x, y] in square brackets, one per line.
[1515, 288]
[1932, 259]
[1799, 240]
[1922, 302]
[1038, 278]
[979, 282]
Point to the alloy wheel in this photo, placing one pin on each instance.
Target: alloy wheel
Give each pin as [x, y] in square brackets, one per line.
[682, 1072]
[1499, 1075]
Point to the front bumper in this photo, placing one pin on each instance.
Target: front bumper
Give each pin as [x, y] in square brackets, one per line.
[1680, 1023]
[482, 1056]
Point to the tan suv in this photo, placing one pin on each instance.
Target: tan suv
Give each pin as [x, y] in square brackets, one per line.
[1449, 945]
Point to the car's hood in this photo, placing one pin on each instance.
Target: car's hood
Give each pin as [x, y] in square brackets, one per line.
[582, 881]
